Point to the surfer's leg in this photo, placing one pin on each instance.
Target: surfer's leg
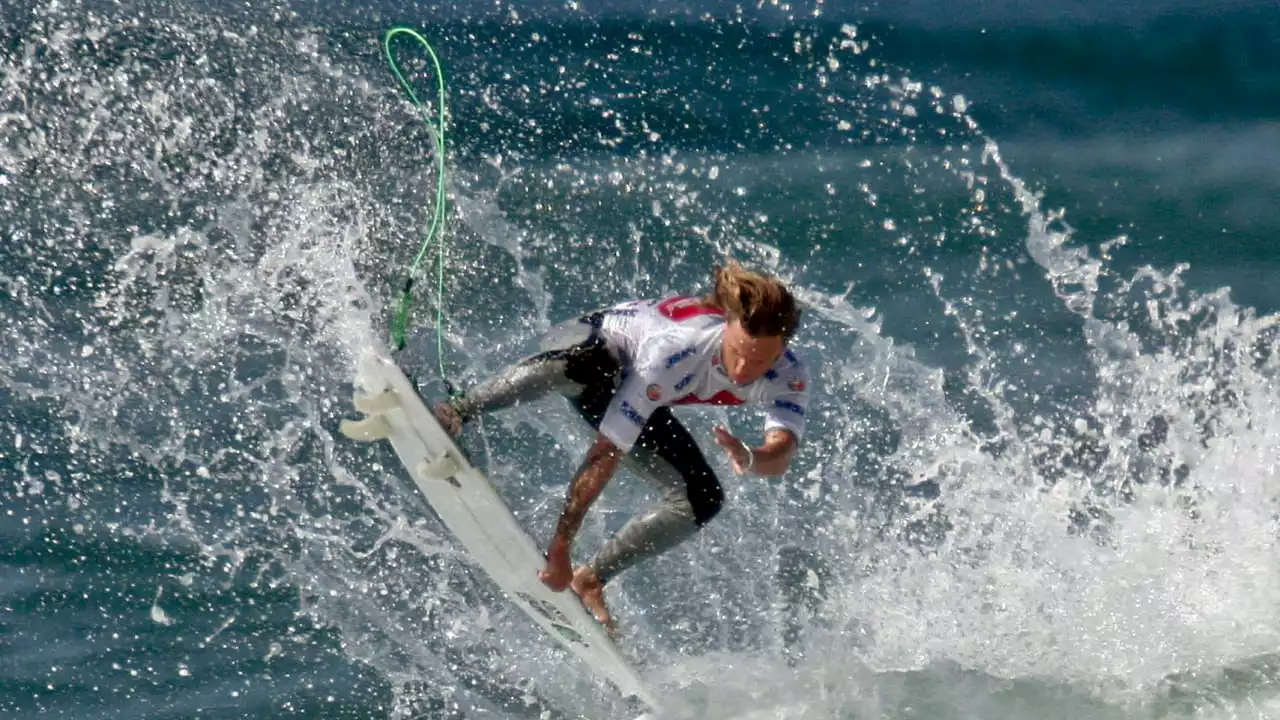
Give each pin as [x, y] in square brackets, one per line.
[667, 456]
[583, 359]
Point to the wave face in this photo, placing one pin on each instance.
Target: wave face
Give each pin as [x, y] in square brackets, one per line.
[1036, 251]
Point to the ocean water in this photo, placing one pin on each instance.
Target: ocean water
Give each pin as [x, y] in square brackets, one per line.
[1038, 248]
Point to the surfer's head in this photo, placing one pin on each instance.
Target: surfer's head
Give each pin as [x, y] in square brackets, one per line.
[760, 317]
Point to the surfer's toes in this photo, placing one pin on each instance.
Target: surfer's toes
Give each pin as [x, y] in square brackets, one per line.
[590, 593]
[610, 626]
[596, 607]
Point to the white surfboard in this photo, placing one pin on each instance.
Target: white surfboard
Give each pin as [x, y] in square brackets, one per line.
[477, 516]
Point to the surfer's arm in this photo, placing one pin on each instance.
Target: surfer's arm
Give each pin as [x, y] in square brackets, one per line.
[783, 424]
[770, 459]
[774, 456]
[597, 468]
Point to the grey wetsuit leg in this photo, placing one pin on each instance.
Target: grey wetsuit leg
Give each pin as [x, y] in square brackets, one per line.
[525, 381]
[577, 358]
[666, 456]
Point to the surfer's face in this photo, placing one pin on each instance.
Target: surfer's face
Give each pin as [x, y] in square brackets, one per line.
[746, 358]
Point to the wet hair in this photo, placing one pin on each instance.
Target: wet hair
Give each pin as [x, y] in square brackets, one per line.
[762, 303]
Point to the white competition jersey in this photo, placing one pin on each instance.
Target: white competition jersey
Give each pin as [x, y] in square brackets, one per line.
[670, 353]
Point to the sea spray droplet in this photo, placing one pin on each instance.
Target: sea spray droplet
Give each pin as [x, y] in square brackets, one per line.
[959, 103]
[158, 615]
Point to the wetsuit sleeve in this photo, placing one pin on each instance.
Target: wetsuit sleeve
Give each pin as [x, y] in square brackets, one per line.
[789, 403]
[645, 387]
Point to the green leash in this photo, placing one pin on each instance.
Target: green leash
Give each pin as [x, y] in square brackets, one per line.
[435, 231]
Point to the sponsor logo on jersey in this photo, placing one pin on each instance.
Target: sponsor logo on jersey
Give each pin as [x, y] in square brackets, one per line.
[631, 413]
[679, 357]
[684, 382]
[796, 385]
[654, 392]
[788, 406]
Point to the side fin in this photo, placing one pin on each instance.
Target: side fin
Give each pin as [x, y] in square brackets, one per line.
[374, 427]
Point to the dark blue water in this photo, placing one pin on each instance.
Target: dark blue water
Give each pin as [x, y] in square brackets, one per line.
[1037, 251]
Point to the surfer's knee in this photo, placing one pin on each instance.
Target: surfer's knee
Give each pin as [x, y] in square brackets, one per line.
[701, 489]
[676, 503]
[699, 500]
[705, 501]
[687, 479]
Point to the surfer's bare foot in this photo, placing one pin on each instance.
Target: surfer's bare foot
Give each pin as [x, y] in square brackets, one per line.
[591, 591]
[449, 418]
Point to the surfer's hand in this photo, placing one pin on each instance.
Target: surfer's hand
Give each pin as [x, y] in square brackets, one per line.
[740, 455]
[558, 574]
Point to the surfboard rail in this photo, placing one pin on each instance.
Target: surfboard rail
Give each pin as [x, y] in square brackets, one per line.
[472, 509]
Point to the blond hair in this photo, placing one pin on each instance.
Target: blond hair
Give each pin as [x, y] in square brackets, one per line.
[762, 303]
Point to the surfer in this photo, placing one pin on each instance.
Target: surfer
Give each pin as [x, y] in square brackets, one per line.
[623, 368]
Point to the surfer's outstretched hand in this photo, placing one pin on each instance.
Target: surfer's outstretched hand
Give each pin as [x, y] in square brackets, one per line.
[739, 454]
[558, 573]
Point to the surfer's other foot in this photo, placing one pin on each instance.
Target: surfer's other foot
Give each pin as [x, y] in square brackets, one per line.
[591, 592]
[449, 419]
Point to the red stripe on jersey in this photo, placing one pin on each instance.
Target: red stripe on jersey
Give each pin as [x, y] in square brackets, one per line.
[683, 308]
[724, 397]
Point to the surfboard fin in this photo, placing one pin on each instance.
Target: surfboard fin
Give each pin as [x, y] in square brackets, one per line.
[368, 429]
[443, 467]
[377, 404]
[375, 427]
